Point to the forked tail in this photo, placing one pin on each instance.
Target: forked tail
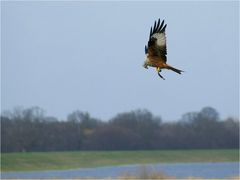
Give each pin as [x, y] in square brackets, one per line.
[175, 70]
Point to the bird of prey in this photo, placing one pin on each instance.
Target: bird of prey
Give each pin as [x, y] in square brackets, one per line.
[156, 50]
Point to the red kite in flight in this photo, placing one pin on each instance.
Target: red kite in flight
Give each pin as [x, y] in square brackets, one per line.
[156, 49]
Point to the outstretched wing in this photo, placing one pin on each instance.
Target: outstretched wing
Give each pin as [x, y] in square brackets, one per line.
[157, 41]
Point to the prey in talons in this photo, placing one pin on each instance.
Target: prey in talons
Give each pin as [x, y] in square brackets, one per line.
[158, 71]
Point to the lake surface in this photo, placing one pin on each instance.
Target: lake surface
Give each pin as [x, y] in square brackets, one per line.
[178, 170]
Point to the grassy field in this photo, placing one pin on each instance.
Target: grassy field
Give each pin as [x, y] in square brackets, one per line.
[29, 161]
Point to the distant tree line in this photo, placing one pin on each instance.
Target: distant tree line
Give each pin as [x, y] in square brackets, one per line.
[30, 130]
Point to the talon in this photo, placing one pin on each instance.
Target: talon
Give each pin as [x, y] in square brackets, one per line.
[158, 69]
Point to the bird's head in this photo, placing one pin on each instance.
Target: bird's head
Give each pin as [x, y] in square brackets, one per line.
[145, 64]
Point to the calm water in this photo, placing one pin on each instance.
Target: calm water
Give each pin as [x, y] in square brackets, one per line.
[178, 170]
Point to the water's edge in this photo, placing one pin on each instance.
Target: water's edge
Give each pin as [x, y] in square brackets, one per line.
[178, 170]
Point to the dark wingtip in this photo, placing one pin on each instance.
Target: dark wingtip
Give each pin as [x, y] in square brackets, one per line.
[158, 27]
[163, 29]
[150, 33]
[154, 27]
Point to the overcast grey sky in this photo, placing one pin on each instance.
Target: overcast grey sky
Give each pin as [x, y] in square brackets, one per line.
[64, 56]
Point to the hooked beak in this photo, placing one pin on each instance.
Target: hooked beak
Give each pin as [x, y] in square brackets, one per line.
[145, 65]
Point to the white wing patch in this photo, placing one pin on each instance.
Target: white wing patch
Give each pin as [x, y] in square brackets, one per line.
[161, 38]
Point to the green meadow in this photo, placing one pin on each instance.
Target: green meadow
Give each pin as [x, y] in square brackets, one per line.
[30, 161]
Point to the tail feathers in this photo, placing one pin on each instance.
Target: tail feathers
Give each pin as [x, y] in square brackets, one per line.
[175, 70]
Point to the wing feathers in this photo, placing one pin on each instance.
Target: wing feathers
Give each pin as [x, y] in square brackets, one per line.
[154, 25]
[157, 40]
[158, 24]
[158, 32]
[161, 39]
[163, 29]
[161, 26]
[150, 33]
[157, 28]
